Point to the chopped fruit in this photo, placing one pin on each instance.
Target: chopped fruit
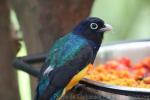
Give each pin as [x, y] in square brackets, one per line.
[122, 72]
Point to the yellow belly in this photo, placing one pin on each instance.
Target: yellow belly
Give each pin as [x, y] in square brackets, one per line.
[77, 78]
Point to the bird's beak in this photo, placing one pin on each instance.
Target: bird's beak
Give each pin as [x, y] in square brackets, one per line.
[106, 28]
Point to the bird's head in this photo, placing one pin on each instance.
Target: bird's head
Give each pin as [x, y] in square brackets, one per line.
[92, 28]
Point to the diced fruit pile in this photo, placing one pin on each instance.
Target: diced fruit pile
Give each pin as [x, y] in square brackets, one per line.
[122, 72]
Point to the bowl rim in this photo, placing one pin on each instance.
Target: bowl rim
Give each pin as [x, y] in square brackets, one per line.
[121, 90]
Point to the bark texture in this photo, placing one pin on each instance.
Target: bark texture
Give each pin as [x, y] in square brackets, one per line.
[8, 81]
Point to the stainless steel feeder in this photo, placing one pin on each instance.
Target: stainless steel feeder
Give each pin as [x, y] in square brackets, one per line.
[91, 90]
[133, 50]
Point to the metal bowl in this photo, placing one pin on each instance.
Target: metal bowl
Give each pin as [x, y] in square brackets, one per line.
[133, 50]
[91, 90]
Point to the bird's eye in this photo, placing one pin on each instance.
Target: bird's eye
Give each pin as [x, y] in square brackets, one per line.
[93, 26]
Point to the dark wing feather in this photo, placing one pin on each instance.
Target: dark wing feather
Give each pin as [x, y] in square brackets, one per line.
[64, 50]
[61, 76]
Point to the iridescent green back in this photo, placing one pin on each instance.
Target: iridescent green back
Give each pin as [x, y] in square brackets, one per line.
[65, 49]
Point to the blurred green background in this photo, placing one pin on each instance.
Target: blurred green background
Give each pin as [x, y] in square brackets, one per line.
[129, 18]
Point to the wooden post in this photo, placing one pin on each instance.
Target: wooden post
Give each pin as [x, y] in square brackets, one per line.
[8, 81]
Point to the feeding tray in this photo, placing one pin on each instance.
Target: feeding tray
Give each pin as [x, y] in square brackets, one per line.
[89, 89]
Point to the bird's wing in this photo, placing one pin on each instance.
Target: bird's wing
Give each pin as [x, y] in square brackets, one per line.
[62, 51]
[60, 76]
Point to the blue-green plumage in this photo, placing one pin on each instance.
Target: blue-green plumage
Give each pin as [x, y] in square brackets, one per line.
[67, 46]
[68, 56]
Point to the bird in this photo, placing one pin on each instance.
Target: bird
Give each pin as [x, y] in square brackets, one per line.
[69, 56]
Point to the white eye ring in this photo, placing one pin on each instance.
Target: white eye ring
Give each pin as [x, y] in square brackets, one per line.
[93, 26]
